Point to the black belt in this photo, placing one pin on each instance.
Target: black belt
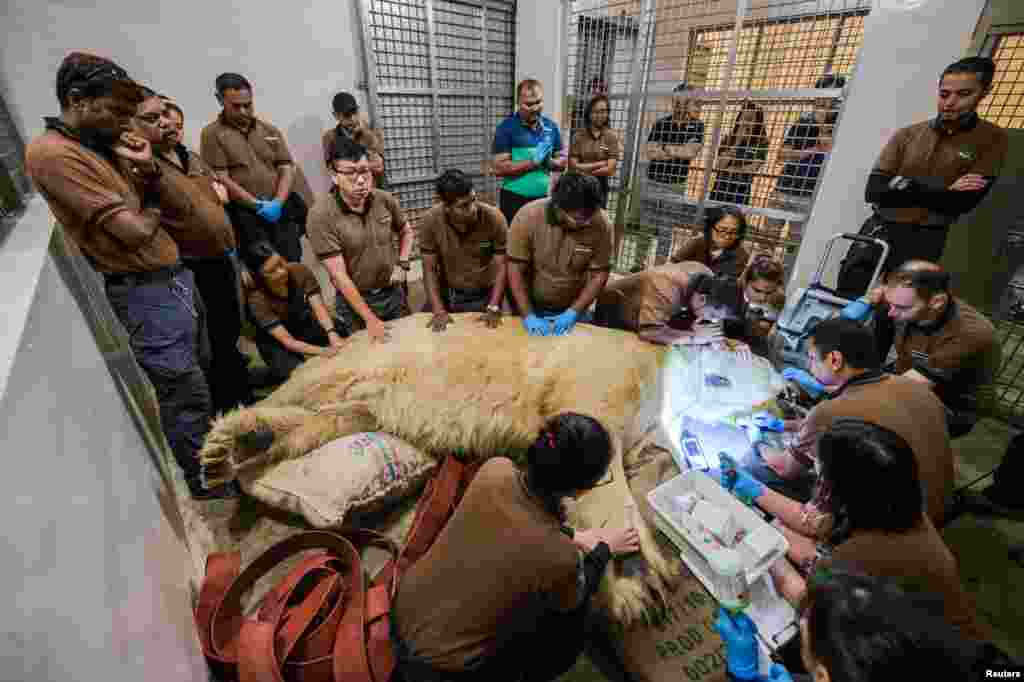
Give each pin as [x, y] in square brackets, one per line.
[137, 278]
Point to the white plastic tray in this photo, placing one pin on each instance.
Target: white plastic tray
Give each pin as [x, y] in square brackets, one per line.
[690, 543]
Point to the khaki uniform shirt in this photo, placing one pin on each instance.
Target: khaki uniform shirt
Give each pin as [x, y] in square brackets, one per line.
[268, 310]
[899, 404]
[252, 157]
[649, 299]
[960, 355]
[926, 150]
[589, 149]
[365, 240]
[561, 259]
[501, 562]
[466, 258]
[202, 229]
[730, 262]
[921, 562]
[85, 190]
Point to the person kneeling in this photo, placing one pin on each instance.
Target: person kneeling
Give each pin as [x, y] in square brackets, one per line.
[285, 305]
[672, 304]
[503, 592]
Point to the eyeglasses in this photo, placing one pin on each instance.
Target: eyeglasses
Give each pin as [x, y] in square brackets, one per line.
[724, 232]
[354, 172]
[762, 292]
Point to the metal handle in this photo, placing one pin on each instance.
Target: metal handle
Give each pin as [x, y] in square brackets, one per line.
[849, 236]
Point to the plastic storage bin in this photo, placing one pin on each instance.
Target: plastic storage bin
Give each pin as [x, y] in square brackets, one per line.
[761, 546]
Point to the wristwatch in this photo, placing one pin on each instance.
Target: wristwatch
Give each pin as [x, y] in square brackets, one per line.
[493, 309]
[404, 264]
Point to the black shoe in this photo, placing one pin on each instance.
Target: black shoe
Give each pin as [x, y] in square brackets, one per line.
[227, 491]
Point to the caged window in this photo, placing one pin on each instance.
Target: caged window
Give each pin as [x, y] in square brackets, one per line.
[1005, 106]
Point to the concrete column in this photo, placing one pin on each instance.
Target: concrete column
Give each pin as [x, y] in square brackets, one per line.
[540, 34]
[907, 43]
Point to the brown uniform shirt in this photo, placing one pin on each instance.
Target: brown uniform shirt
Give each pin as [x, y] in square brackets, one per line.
[84, 191]
[921, 562]
[589, 149]
[199, 225]
[960, 355]
[901, 405]
[363, 239]
[268, 310]
[926, 150]
[560, 259]
[251, 158]
[499, 562]
[466, 258]
[370, 139]
[649, 299]
[730, 262]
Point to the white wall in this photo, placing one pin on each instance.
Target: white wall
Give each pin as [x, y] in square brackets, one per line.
[296, 55]
[95, 571]
[540, 33]
[907, 43]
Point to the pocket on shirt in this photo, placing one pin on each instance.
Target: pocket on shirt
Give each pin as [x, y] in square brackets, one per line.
[580, 258]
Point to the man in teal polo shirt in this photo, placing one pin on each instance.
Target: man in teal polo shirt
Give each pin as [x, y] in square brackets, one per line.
[527, 147]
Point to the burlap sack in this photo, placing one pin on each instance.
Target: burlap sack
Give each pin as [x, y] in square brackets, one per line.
[681, 643]
[364, 472]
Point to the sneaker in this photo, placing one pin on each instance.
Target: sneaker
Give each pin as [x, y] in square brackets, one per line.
[226, 491]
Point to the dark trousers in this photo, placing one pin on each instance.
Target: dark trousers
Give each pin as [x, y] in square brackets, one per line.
[282, 362]
[387, 304]
[544, 653]
[165, 324]
[250, 228]
[509, 203]
[217, 281]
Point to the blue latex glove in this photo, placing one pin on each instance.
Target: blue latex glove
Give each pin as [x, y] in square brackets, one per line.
[778, 673]
[536, 326]
[737, 481]
[564, 323]
[270, 210]
[807, 382]
[766, 421]
[857, 310]
[542, 152]
[739, 634]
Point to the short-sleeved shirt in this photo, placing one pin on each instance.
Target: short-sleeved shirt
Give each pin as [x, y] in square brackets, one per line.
[960, 354]
[649, 299]
[899, 404]
[589, 149]
[920, 562]
[500, 563]
[467, 258]
[202, 229]
[927, 150]
[729, 262]
[667, 131]
[560, 259]
[518, 139]
[85, 189]
[251, 157]
[268, 311]
[364, 240]
[800, 177]
[370, 139]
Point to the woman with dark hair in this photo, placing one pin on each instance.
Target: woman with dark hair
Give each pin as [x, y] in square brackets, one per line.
[870, 482]
[595, 148]
[502, 593]
[721, 246]
[859, 628]
[292, 322]
[741, 155]
[763, 283]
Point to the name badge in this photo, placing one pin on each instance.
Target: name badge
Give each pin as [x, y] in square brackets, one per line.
[967, 155]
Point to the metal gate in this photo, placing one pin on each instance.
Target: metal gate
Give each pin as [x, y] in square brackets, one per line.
[759, 55]
[440, 76]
